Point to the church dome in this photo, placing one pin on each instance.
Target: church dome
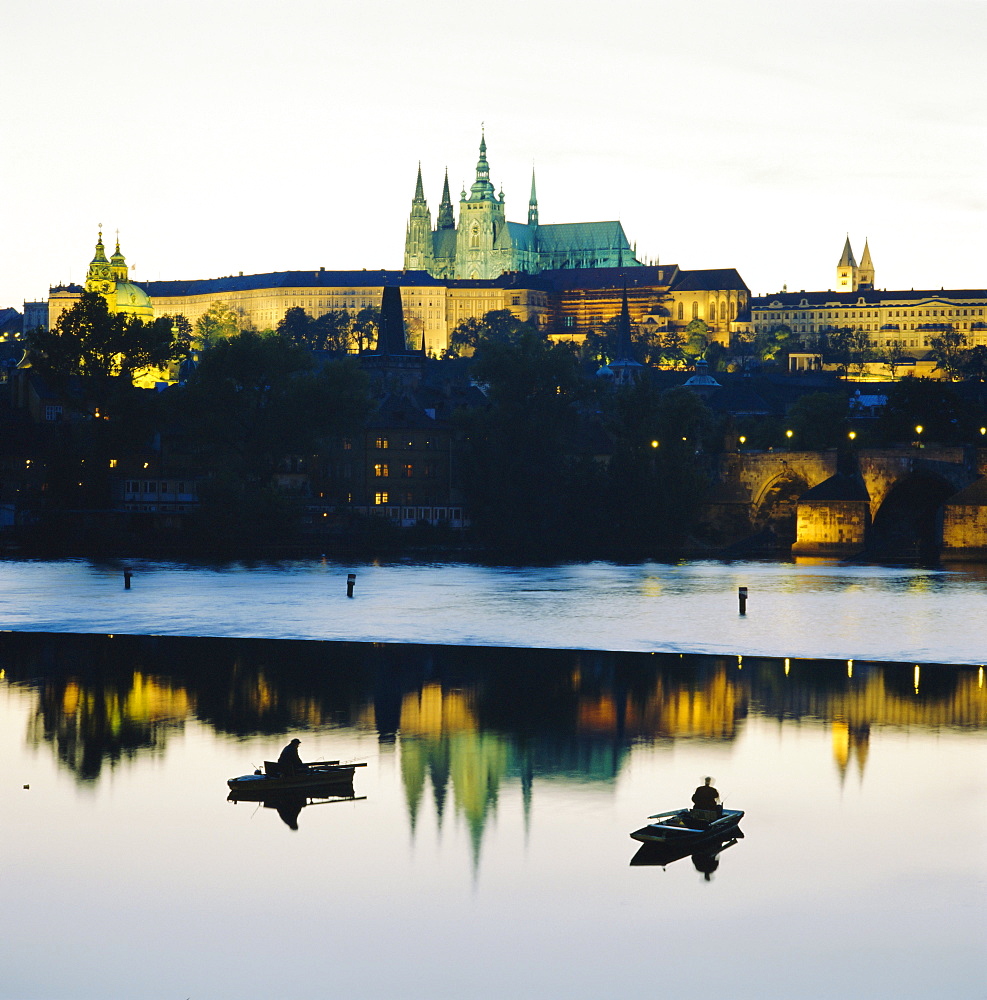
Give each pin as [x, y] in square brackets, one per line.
[134, 300]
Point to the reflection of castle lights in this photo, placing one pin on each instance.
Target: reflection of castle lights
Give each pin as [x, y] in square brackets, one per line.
[980, 677]
[787, 666]
[740, 663]
[849, 668]
[916, 678]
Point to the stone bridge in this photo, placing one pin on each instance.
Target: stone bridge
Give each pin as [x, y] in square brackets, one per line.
[838, 505]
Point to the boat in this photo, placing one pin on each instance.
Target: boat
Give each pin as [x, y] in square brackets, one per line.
[276, 778]
[705, 854]
[689, 828]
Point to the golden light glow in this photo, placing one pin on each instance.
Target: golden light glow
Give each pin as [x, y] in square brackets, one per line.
[919, 428]
[852, 435]
[654, 444]
[916, 677]
[787, 666]
[849, 668]
[789, 434]
[743, 439]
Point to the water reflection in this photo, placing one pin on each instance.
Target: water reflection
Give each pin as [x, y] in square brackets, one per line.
[705, 859]
[289, 805]
[465, 720]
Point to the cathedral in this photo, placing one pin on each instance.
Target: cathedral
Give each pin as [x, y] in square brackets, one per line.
[484, 245]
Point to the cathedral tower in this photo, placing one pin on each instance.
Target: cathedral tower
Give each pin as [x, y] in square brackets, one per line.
[418, 240]
[533, 203]
[481, 225]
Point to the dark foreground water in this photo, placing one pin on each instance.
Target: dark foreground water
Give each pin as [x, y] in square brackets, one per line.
[485, 853]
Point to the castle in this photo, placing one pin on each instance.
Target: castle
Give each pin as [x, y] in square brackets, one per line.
[485, 244]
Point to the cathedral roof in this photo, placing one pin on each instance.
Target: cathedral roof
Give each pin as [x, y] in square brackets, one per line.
[521, 235]
[582, 236]
[846, 260]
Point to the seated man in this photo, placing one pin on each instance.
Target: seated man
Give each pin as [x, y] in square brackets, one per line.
[706, 801]
[289, 760]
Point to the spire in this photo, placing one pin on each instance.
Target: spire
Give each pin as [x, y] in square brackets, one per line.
[847, 259]
[482, 189]
[533, 202]
[100, 256]
[390, 337]
[419, 190]
[624, 330]
[445, 219]
[865, 261]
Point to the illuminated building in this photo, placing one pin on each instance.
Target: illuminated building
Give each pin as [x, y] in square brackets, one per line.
[909, 318]
[484, 244]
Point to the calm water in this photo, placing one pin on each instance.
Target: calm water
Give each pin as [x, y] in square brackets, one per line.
[487, 852]
[810, 609]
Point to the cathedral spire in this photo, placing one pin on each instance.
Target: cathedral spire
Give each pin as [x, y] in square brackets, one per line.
[445, 219]
[533, 202]
[865, 273]
[419, 190]
[482, 189]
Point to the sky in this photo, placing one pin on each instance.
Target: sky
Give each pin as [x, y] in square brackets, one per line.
[221, 137]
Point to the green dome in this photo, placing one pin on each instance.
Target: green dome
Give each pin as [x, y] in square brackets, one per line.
[133, 299]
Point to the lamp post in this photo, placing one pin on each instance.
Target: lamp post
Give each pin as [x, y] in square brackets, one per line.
[918, 435]
[788, 435]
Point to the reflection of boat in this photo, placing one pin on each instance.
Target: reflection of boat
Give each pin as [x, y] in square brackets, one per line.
[704, 854]
[690, 828]
[275, 778]
[290, 802]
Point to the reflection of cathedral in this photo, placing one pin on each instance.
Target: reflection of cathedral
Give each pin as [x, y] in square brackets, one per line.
[484, 244]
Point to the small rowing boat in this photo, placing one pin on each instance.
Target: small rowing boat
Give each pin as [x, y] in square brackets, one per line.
[277, 778]
[690, 827]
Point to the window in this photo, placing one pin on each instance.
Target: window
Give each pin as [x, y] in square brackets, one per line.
[347, 444]
[381, 498]
[407, 471]
[381, 471]
[381, 442]
[695, 310]
[53, 413]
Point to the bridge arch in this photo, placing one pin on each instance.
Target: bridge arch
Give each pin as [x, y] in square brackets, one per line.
[776, 506]
[908, 521]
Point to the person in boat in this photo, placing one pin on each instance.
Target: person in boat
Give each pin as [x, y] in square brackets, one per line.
[706, 798]
[289, 760]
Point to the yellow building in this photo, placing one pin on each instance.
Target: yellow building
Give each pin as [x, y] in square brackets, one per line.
[909, 318]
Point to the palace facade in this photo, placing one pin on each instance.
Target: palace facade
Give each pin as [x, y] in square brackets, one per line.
[908, 318]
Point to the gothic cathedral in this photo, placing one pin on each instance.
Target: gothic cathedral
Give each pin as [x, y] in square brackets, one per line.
[485, 245]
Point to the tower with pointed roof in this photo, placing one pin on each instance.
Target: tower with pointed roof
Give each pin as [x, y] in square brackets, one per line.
[111, 279]
[418, 243]
[847, 272]
[865, 272]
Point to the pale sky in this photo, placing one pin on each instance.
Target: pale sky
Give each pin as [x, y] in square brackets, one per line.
[243, 136]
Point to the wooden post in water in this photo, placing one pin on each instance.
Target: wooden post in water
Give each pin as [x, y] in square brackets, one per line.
[742, 597]
[126, 578]
[350, 583]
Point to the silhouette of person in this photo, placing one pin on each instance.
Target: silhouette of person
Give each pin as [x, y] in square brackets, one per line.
[289, 760]
[706, 797]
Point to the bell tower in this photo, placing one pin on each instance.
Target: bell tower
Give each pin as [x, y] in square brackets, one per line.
[418, 251]
[481, 222]
[102, 275]
[847, 272]
[865, 273]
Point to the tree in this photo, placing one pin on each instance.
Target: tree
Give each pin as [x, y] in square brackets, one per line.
[973, 362]
[497, 326]
[519, 449]
[930, 403]
[947, 349]
[254, 400]
[365, 328]
[332, 331]
[768, 344]
[219, 322]
[894, 356]
[697, 338]
[672, 349]
[601, 346]
[91, 354]
[848, 348]
[819, 420]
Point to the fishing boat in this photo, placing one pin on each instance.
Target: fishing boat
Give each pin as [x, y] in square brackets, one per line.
[689, 828]
[277, 778]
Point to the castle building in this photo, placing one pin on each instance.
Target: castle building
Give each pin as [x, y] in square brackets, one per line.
[484, 244]
[908, 318]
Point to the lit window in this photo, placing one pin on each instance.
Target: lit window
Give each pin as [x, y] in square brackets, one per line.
[381, 498]
[381, 471]
[382, 442]
[407, 471]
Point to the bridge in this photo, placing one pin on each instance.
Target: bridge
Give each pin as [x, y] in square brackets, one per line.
[927, 500]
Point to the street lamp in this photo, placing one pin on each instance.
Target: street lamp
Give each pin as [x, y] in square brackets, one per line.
[852, 435]
[788, 434]
[918, 435]
[654, 444]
